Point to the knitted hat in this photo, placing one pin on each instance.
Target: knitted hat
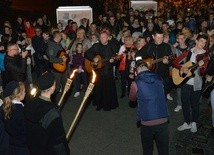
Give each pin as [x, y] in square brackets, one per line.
[10, 87]
[45, 81]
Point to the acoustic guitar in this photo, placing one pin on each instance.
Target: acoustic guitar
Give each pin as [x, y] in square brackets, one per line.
[91, 65]
[60, 67]
[178, 77]
[151, 62]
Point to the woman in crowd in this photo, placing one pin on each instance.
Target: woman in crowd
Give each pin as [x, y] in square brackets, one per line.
[14, 93]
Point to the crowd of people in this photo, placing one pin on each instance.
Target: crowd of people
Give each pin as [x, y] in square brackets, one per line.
[140, 49]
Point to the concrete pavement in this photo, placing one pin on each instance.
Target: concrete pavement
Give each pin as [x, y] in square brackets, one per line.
[115, 132]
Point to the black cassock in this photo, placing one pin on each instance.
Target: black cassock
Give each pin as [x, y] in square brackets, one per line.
[105, 93]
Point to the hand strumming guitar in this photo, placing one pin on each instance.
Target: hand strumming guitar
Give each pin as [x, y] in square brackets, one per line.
[116, 58]
[184, 69]
[165, 60]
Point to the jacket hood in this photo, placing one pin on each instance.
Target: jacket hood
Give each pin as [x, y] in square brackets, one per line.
[147, 76]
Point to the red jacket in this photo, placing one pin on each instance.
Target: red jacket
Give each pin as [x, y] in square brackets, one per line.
[187, 55]
[30, 32]
[122, 65]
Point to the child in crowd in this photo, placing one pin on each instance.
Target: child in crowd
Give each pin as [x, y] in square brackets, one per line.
[131, 69]
[94, 39]
[12, 112]
[78, 63]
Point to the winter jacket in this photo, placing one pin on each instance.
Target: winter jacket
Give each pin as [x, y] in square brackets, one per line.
[151, 100]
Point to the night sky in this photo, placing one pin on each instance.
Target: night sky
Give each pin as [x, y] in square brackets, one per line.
[46, 5]
[36, 5]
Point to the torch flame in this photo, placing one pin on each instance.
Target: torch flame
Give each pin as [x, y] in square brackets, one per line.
[94, 76]
[33, 92]
[72, 75]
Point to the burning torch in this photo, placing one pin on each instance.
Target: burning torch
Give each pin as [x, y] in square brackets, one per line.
[87, 93]
[67, 87]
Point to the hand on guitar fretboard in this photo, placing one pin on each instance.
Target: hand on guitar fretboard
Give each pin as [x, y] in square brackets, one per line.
[98, 62]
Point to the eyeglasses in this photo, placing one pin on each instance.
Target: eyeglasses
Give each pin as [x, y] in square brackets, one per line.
[15, 49]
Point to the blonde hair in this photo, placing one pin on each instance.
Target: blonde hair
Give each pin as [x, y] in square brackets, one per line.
[7, 104]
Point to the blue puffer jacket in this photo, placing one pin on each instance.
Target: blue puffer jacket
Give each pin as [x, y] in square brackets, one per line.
[150, 97]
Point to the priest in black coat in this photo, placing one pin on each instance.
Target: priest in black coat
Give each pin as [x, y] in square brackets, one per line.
[105, 94]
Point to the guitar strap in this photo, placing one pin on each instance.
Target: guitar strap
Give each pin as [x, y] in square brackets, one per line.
[188, 56]
[155, 55]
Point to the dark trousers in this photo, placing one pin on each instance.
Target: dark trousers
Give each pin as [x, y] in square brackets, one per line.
[124, 81]
[80, 77]
[159, 133]
[190, 103]
[123, 78]
[167, 83]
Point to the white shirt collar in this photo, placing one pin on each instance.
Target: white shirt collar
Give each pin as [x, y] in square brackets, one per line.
[17, 102]
[201, 52]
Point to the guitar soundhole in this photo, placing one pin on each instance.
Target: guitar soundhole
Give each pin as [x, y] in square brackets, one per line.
[95, 66]
[183, 75]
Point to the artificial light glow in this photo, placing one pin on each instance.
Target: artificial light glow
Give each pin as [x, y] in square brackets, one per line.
[33, 92]
[138, 58]
[94, 76]
[72, 75]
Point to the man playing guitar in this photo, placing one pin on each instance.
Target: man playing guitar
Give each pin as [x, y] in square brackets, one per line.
[54, 47]
[191, 90]
[105, 94]
[158, 50]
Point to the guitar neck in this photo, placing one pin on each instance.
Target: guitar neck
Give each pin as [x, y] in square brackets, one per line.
[157, 60]
[160, 59]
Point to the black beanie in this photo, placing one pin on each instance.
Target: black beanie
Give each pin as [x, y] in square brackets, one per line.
[10, 87]
[45, 81]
